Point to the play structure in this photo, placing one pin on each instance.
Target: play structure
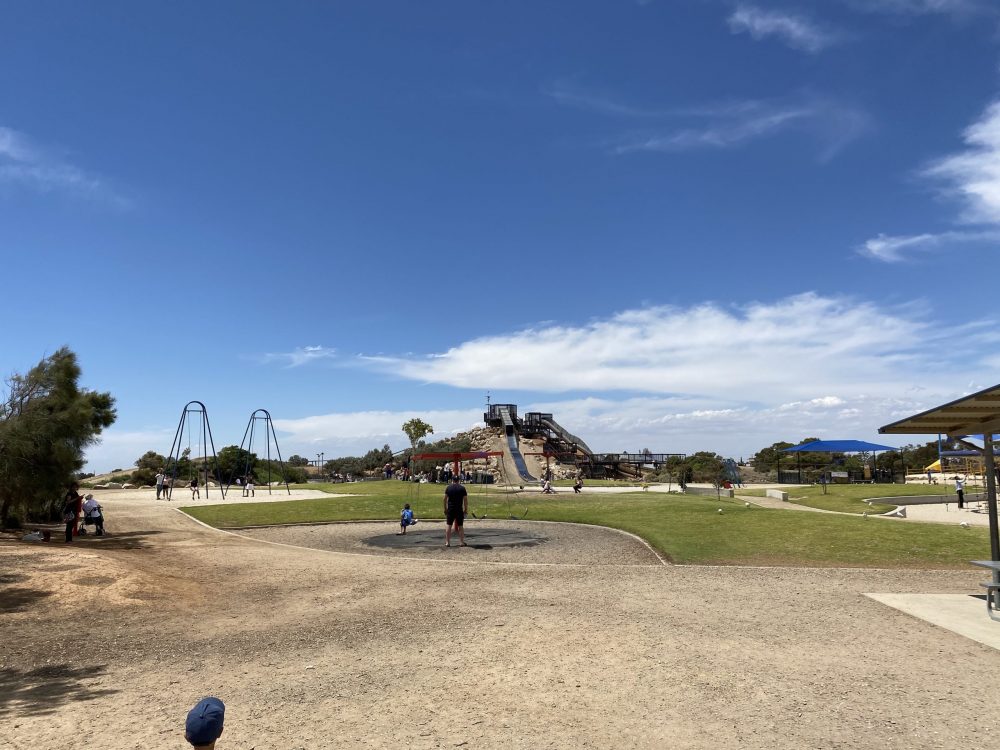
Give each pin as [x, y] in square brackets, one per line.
[497, 498]
[262, 417]
[194, 420]
[196, 428]
[563, 445]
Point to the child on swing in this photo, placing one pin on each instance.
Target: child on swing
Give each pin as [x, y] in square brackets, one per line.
[405, 519]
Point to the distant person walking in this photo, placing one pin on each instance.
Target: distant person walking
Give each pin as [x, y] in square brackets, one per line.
[248, 488]
[960, 491]
[160, 476]
[456, 505]
[577, 486]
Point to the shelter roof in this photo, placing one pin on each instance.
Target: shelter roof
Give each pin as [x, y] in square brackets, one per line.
[970, 415]
[838, 446]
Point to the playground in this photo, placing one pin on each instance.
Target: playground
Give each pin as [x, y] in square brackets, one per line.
[350, 645]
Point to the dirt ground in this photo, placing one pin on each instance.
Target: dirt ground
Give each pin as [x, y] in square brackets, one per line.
[108, 642]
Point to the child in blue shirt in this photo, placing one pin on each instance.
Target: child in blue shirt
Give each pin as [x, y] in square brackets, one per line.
[406, 519]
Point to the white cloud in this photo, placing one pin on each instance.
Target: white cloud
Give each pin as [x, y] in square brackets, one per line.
[670, 425]
[118, 449]
[802, 347]
[299, 356]
[568, 95]
[351, 432]
[794, 30]
[733, 124]
[24, 163]
[973, 175]
[893, 249]
[921, 7]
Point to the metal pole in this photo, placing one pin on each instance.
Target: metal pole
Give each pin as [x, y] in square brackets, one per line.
[989, 466]
[267, 436]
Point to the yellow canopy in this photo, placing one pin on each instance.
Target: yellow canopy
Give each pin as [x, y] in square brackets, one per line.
[936, 466]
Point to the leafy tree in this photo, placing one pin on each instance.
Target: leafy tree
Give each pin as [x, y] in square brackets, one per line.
[291, 474]
[297, 460]
[151, 460]
[235, 462]
[766, 459]
[148, 465]
[345, 465]
[705, 466]
[376, 458]
[46, 422]
[416, 430]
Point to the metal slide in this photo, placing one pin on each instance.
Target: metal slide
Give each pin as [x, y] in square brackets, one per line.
[512, 449]
[518, 459]
[567, 436]
[508, 420]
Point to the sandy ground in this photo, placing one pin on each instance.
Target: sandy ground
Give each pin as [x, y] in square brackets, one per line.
[108, 642]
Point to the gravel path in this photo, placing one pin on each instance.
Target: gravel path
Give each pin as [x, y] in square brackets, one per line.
[108, 642]
[555, 543]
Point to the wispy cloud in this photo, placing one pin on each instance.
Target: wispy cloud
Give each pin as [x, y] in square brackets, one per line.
[833, 124]
[118, 449]
[972, 178]
[892, 249]
[717, 125]
[374, 428]
[922, 7]
[569, 95]
[797, 348]
[302, 355]
[973, 175]
[24, 163]
[795, 30]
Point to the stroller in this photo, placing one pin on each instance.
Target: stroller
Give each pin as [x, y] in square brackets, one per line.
[93, 517]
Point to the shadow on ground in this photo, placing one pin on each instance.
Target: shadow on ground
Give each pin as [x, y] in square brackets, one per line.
[18, 600]
[44, 690]
[124, 540]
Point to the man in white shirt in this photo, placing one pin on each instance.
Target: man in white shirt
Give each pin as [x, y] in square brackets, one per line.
[960, 491]
[159, 483]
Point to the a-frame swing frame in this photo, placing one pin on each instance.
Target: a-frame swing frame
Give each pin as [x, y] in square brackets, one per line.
[262, 415]
[173, 458]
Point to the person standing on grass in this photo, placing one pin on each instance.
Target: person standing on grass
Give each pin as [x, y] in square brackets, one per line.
[456, 505]
[960, 491]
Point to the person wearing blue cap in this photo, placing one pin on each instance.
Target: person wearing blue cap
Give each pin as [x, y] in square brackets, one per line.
[204, 723]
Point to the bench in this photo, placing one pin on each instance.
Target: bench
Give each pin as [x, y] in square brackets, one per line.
[992, 588]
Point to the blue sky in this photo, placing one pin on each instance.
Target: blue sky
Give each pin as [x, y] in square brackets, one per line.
[677, 224]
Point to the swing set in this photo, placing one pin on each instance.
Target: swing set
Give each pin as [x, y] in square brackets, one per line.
[194, 411]
[485, 506]
[261, 415]
[195, 426]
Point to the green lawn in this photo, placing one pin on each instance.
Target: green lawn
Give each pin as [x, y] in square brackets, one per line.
[850, 498]
[684, 529]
